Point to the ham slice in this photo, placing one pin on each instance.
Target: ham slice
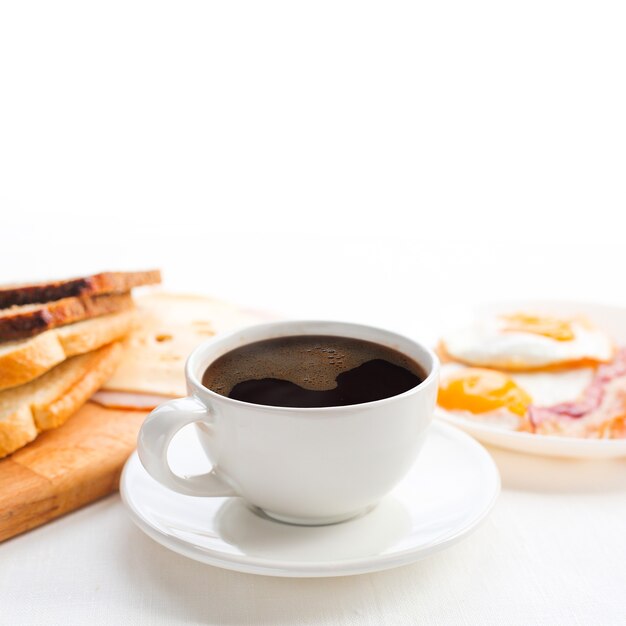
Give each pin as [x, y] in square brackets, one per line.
[602, 401]
[127, 400]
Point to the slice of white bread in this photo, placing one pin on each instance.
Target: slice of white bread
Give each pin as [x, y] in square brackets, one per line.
[48, 401]
[24, 360]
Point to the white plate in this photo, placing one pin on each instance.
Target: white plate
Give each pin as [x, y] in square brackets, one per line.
[448, 492]
[612, 319]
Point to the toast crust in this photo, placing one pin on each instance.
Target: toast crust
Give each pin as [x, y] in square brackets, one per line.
[16, 431]
[51, 399]
[101, 367]
[96, 284]
[22, 361]
[30, 320]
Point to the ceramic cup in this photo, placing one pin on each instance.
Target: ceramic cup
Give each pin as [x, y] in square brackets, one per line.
[299, 465]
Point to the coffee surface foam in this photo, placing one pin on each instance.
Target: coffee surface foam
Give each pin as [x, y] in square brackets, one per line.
[310, 361]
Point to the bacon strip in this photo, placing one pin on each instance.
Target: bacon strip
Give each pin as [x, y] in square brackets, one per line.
[590, 399]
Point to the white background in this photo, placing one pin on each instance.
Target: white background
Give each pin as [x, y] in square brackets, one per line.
[381, 162]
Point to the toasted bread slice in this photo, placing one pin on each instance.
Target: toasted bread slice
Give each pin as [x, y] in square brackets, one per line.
[88, 335]
[17, 428]
[51, 399]
[23, 360]
[31, 319]
[105, 282]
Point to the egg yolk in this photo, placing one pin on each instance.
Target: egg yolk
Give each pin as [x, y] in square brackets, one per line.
[559, 330]
[480, 390]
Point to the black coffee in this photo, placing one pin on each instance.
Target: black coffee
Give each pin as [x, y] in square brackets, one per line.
[312, 371]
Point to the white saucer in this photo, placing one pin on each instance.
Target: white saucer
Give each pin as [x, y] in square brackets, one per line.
[447, 493]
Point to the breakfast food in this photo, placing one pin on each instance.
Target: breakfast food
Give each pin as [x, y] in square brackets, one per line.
[48, 401]
[23, 360]
[524, 341]
[489, 393]
[600, 410]
[31, 319]
[105, 282]
[169, 326]
[535, 373]
[59, 342]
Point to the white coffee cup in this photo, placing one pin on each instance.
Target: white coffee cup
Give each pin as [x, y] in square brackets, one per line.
[299, 465]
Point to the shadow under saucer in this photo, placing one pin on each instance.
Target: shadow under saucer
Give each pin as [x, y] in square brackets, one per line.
[255, 534]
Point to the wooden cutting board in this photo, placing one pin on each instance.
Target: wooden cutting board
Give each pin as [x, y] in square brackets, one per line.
[66, 468]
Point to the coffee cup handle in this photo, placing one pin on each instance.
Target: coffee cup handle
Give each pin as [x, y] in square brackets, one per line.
[153, 442]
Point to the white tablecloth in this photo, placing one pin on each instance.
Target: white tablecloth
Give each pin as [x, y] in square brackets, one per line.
[552, 552]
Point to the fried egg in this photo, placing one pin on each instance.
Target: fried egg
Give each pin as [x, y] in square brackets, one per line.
[527, 341]
[481, 390]
[503, 399]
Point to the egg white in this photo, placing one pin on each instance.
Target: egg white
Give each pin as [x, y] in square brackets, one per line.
[487, 344]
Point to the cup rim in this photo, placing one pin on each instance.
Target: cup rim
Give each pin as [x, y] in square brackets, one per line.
[195, 383]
